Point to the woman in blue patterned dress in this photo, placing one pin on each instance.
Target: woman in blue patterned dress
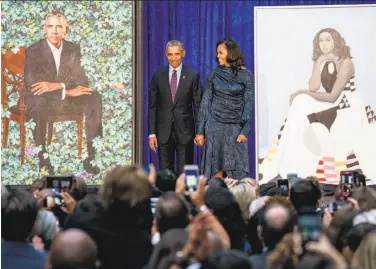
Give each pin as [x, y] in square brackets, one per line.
[225, 115]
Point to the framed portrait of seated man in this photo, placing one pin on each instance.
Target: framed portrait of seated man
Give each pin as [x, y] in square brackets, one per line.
[67, 88]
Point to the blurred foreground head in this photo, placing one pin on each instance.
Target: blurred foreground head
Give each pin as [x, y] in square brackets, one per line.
[72, 249]
[125, 184]
[18, 215]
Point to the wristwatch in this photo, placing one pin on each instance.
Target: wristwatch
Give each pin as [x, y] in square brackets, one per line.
[203, 208]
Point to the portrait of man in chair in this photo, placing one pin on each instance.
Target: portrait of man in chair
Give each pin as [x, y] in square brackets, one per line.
[56, 85]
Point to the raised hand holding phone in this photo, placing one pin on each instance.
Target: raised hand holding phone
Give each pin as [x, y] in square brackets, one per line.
[198, 196]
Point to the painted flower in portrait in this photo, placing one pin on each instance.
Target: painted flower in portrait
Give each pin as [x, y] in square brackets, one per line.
[99, 27]
[30, 152]
[118, 87]
[85, 176]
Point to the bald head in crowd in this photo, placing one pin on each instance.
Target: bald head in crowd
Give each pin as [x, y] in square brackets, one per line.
[72, 249]
[277, 216]
[276, 221]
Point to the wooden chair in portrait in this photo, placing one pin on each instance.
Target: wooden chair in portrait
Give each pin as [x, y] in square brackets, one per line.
[12, 75]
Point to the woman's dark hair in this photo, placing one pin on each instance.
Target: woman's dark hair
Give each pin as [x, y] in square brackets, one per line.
[340, 47]
[235, 55]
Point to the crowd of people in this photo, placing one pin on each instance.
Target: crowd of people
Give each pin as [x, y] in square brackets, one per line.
[138, 220]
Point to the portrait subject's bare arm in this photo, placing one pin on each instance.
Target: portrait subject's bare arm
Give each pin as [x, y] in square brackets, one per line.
[346, 71]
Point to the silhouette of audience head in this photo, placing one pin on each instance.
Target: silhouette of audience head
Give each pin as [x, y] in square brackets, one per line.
[172, 211]
[18, 215]
[72, 249]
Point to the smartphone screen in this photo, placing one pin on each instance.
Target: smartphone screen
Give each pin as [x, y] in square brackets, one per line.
[309, 227]
[59, 184]
[347, 182]
[347, 177]
[283, 184]
[191, 176]
[153, 204]
[53, 201]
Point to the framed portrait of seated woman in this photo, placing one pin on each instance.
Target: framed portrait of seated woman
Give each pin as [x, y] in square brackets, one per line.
[316, 95]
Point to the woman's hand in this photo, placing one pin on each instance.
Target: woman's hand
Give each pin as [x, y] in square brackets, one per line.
[199, 140]
[254, 184]
[329, 57]
[241, 139]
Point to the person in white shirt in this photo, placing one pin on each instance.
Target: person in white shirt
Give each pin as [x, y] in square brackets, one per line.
[56, 83]
[174, 99]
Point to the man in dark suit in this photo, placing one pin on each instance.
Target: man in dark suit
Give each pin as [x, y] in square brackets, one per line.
[174, 99]
[56, 82]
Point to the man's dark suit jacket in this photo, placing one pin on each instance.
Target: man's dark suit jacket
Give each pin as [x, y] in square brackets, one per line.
[40, 66]
[163, 111]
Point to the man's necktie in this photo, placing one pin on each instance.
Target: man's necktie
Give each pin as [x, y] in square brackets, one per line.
[174, 84]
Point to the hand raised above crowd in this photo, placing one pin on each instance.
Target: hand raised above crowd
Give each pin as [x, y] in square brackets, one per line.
[198, 196]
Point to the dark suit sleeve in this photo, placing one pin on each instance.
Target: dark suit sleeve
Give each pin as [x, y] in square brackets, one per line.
[79, 72]
[29, 78]
[197, 95]
[152, 105]
[32, 73]
[205, 104]
[249, 98]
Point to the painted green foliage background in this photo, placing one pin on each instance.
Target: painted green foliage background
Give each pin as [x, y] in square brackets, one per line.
[104, 31]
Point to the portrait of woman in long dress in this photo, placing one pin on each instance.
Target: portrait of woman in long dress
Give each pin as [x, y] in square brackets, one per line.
[224, 120]
[328, 127]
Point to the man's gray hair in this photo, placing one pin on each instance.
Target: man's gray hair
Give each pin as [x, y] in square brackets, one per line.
[175, 43]
[57, 14]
